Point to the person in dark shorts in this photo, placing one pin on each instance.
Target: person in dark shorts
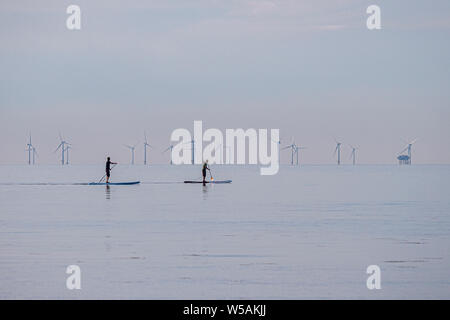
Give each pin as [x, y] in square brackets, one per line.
[108, 168]
[205, 167]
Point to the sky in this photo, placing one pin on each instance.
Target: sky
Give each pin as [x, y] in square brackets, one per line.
[309, 68]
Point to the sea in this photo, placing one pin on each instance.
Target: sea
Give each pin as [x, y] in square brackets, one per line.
[308, 232]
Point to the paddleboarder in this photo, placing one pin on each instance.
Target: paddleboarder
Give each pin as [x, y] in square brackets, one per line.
[108, 168]
[205, 167]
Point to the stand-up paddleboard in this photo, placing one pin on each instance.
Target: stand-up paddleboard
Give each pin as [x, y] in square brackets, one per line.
[214, 181]
[113, 183]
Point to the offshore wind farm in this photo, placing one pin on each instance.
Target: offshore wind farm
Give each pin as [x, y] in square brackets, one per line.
[64, 148]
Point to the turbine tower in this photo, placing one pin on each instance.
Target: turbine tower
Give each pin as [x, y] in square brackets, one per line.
[132, 152]
[338, 149]
[279, 148]
[67, 153]
[353, 154]
[169, 148]
[62, 145]
[192, 142]
[193, 151]
[406, 159]
[34, 154]
[145, 148]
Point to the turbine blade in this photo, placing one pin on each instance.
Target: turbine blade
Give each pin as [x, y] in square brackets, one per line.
[166, 149]
[404, 150]
[58, 147]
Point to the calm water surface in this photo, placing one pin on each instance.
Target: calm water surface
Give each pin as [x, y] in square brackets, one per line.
[308, 232]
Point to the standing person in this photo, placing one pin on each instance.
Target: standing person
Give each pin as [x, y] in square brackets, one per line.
[108, 168]
[205, 167]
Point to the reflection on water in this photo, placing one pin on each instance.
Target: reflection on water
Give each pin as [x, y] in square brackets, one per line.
[108, 192]
[205, 191]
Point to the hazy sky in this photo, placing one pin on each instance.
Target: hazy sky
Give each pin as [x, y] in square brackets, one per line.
[310, 68]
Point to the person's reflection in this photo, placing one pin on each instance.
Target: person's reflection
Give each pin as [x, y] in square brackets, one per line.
[205, 192]
[108, 192]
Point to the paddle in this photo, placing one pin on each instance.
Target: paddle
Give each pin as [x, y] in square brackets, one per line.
[210, 175]
[105, 173]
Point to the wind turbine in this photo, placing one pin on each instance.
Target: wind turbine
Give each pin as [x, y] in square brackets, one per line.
[29, 149]
[169, 148]
[294, 150]
[353, 154]
[338, 149]
[132, 152]
[145, 148]
[62, 145]
[408, 148]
